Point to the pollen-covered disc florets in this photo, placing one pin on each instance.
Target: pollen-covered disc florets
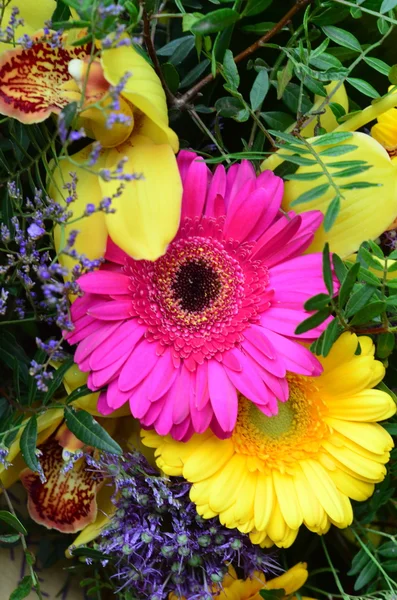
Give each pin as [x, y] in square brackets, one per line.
[215, 316]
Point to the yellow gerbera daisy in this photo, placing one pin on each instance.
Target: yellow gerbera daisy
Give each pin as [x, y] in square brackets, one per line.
[299, 467]
[248, 589]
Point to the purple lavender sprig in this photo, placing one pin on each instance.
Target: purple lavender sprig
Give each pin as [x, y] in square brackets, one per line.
[158, 541]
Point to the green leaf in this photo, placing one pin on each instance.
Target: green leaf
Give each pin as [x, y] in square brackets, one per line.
[276, 594]
[13, 521]
[57, 379]
[194, 74]
[304, 176]
[88, 430]
[327, 270]
[363, 86]
[378, 65]
[169, 49]
[229, 107]
[368, 258]
[332, 138]
[28, 444]
[330, 335]
[259, 89]
[359, 562]
[341, 164]
[61, 13]
[387, 5]
[215, 21]
[317, 302]
[259, 28]
[382, 25]
[9, 538]
[184, 48]
[377, 251]
[390, 565]
[23, 590]
[338, 150]
[298, 160]
[385, 343]
[369, 277]
[171, 76]
[254, 7]
[277, 120]
[348, 283]
[342, 37]
[339, 267]
[311, 194]
[337, 110]
[284, 77]
[359, 299]
[313, 321]
[389, 550]
[359, 185]
[369, 312]
[87, 552]
[286, 137]
[230, 70]
[367, 574]
[332, 213]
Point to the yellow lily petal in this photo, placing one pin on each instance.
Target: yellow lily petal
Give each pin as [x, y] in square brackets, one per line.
[34, 15]
[291, 581]
[357, 220]
[148, 211]
[92, 237]
[327, 120]
[143, 88]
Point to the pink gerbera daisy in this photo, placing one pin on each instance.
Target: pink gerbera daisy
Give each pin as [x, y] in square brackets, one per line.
[181, 337]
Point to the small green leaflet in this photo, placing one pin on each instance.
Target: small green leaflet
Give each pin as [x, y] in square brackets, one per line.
[23, 589]
[327, 270]
[363, 86]
[387, 5]
[332, 138]
[311, 194]
[342, 38]
[378, 65]
[230, 70]
[215, 21]
[13, 521]
[332, 213]
[88, 430]
[28, 444]
[259, 89]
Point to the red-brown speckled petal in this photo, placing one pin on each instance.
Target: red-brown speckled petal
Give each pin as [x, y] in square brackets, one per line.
[31, 80]
[67, 501]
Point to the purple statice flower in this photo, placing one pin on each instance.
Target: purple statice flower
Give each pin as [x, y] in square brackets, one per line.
[7, 34]
[117, 118]
[35, 231]
[117, 38]
[3, 301]
[157, 541]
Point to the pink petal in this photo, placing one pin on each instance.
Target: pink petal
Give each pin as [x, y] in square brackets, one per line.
[286, 320]
[275, 366]
[257, 336]
[276, 236]
[181, 391]
[162, 377]
[114, 254]
[104, 282]
[216, 190]
[201, 391]
[223, 396]
[104, 376]
[115, 397]
[122, 341]
[249, 382]
[297, 358]
[201, 419]
[195, 189]
[183, 431]
[90, 343]
[237, 176]
[138, 366]
[243, 216]
[112, 311]
[102, 405]
[184, 160]
[139, 401]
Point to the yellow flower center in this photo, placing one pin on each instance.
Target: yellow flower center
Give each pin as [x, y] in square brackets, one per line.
[295, 433]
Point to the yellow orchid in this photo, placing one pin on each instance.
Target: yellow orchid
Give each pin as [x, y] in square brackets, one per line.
[41, 80]
[75, 500]
[385, 130]
[365, 212]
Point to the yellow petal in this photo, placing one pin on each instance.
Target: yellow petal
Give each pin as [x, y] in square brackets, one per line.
[34, 15]
[148, 210]
[143, 88]
[287, 499]
[213, 454]
[327, 119]
[370, 436]
[291, 581]
[368, 405]
[351, 486]
[92, 237]
[357, 220]
[264, 501]
[324, 488]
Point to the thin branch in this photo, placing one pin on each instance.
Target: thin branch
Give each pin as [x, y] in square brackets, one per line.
[147, 36]
[182, 101]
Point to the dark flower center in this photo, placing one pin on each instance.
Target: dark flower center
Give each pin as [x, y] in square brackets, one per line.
[196, 285]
